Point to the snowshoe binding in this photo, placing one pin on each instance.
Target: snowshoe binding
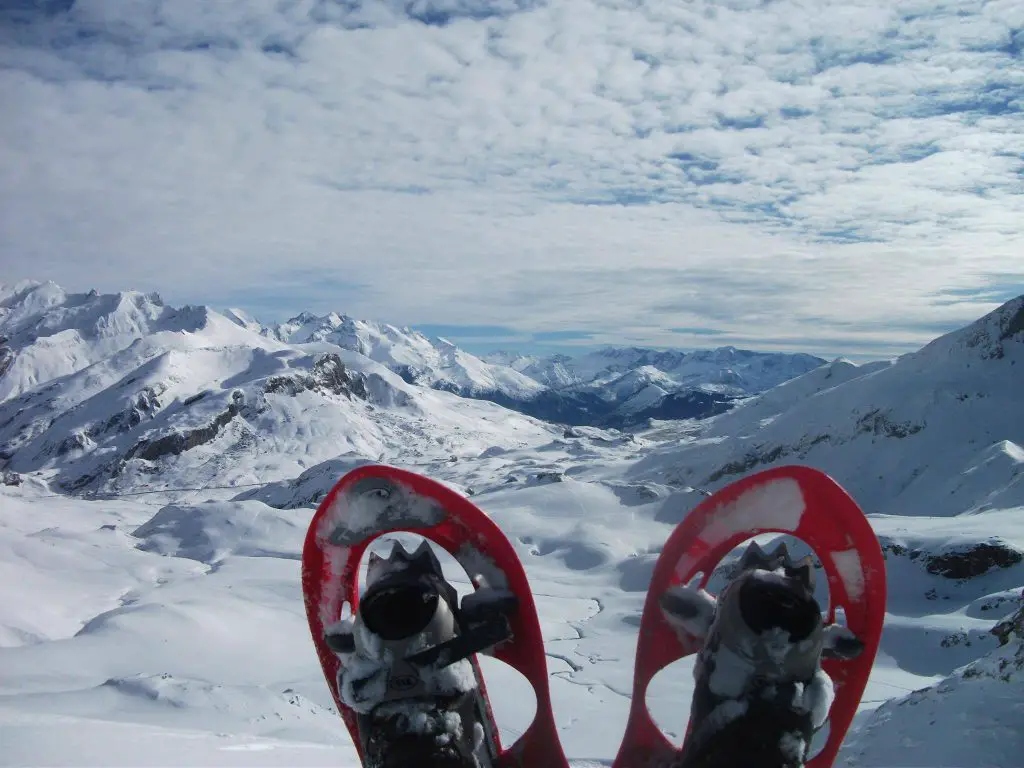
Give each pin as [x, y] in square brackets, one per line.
[761, 693]
[405, 664]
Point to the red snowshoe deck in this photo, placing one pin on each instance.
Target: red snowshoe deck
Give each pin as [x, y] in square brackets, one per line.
[792, 500]
[374, 500]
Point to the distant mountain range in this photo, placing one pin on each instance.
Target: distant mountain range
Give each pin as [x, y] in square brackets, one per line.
[102, 390]
[612, 387]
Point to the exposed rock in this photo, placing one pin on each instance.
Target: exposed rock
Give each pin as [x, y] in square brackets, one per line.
[989, 335]
[748, 462]
[177, 443]
[955, 639]
[6, 359]
[1012, 625]
[285, 385]
[328, 375]
[195, 398]
[146, 404]
[974, 561]
[878, 423]
[1014, 325]
[76, 441]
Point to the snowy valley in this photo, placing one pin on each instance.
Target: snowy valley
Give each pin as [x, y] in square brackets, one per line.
[159, 466]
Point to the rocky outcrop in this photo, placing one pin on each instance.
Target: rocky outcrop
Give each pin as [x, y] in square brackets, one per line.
[6, 358]
[177, 443]
[327, 376]
[964, 562]
[877, 422]
[1012, 626]
[1007, 323]
[762, 455]
[145, 405]
[973, 561]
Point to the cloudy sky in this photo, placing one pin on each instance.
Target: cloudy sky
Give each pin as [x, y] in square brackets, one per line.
[834, 176]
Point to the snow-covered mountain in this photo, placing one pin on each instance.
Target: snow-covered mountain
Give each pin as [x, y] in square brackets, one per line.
[921, 435]
[168, 627]
[931, 446]
[611, 387]
[725, 369]
[435, 363]
[627, 386]
[122, 392]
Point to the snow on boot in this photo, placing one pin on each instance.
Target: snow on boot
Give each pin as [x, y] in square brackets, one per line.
[406, 664]
[761, 693]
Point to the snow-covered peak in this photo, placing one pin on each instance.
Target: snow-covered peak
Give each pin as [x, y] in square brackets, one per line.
[47, 333]
[637, 379]
[50, 333]
[100, 392]
[436, 363]
[554, 371]
[910, 436]
[730, 370]
[997, 335]
[244, 319]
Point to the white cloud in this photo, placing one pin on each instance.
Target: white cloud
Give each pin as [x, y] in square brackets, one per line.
[791, 174]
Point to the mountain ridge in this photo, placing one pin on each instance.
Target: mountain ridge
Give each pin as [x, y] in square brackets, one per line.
[559, 387]
[601, 388]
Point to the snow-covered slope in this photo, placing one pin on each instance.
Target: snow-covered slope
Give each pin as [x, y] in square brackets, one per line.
[930, 445]
[980, 705]
[937, 432]
[121, 392]
[46, 333]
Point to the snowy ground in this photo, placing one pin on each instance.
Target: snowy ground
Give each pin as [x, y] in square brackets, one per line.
[183, 640]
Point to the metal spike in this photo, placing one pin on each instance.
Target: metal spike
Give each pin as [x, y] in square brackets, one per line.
[753, 557]
[781, 556]
[399, 553]
[803, 570]
[423, 550]
[425, 558]
[374, 564]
